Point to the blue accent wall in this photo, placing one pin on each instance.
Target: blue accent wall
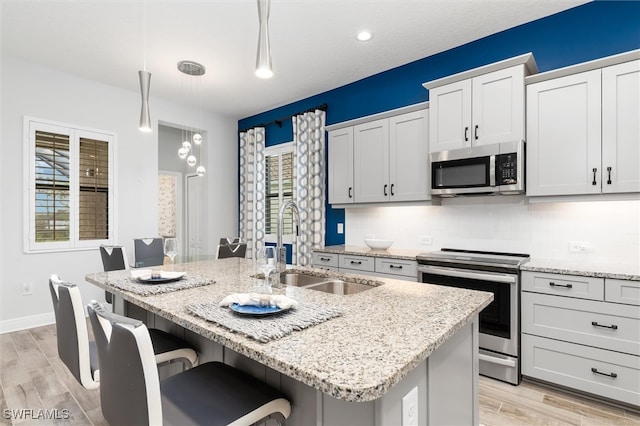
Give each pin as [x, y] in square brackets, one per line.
[583, 33]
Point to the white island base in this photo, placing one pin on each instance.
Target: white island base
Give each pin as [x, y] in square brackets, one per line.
[446, 382]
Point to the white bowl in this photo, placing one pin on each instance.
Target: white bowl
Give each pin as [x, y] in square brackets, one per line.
[378, 244]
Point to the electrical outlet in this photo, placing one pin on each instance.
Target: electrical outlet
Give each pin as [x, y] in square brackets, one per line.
[426, 240]
[26, 288]
[579, 246]
[410, 408]
[340, 228]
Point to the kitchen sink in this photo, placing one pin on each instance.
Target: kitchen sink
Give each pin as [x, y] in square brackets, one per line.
[301, 280]
[339, 287]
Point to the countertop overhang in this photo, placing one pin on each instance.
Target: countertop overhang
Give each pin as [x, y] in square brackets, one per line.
[382, 335]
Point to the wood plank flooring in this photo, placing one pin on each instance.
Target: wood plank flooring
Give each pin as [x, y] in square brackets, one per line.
[32, 377]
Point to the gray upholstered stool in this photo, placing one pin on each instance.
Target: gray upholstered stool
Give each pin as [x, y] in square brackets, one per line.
[148, 252]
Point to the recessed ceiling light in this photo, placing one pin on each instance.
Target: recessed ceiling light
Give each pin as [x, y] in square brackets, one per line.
[364, 36]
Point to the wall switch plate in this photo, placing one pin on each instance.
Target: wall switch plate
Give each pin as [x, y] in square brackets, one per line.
[579, 246]
[410, 408]
[340, 228]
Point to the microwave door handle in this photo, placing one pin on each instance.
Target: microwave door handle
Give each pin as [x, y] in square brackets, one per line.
[492, 170]
[482, 276]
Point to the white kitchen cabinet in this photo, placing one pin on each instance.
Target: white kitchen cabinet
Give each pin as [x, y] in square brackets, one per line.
[340, 167]
[380, 160]
[582, 332]
[583, 133]
[487, 108]
[621, 127]
[377, 266]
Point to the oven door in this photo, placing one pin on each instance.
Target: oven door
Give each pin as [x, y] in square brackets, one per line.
[499, 320]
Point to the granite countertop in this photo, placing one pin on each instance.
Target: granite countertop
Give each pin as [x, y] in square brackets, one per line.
[403, 254]
[382, 335]
[591, 269]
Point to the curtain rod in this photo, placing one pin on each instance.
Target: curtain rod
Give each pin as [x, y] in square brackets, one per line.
[279, 121]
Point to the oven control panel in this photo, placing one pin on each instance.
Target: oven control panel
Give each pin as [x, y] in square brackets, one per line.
[507, 169]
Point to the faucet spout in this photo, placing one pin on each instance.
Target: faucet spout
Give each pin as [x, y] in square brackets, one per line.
[282, 252]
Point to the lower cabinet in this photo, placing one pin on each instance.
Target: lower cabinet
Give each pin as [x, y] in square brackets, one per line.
[399, 269]
[582, 333]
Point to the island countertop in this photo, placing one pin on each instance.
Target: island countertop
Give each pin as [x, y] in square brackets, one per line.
[382, 335]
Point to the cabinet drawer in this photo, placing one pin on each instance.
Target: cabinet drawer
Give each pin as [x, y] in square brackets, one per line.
[359, 263]
[597, 371]
[622, 291]
[321, 260]
[587, 322]
[564, 285]
[405, 268]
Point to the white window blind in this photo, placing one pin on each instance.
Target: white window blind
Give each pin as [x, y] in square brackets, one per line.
[279, 183]
[70, 187]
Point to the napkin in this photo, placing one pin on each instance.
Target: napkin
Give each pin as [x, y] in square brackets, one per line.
[257, 299]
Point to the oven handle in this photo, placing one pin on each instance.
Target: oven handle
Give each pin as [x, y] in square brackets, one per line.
[482, 276]
[495, 360]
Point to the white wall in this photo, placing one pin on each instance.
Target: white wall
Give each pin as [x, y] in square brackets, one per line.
[510, 223]
[49, 94]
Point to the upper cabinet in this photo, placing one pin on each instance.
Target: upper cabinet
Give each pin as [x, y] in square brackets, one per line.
[380, 159]
[583, 132]
[478, 107]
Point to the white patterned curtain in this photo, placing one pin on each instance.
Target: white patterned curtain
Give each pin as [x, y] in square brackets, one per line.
[309, 192]
[252, 203]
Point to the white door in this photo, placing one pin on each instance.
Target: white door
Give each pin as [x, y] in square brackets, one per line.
[340, 166]
[194, 215]
[371, 161]
[498, 107]
[621, 127]
[408, 157]
[563, 135]
[450, 116]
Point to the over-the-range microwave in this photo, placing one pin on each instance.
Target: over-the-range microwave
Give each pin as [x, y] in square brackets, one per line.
[480, 170]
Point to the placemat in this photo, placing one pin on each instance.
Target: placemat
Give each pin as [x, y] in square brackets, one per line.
[130, 284]
[266, 328]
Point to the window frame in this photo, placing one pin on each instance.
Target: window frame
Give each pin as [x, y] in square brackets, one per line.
[30, 126]
[279, 150]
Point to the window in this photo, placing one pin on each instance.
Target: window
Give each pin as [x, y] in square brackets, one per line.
[70, 187]
[279, 182]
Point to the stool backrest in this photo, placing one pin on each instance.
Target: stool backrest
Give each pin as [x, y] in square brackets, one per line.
[71, 331]
[129, 382]
[148, 252]
[114, 258]
[232, 250]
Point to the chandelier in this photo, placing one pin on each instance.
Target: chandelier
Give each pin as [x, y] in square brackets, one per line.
[191, 140]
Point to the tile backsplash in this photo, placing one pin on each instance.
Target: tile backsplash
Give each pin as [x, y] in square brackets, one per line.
[610, 230]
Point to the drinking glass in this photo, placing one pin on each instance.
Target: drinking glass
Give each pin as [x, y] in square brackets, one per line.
[171, 249]
[267, 264]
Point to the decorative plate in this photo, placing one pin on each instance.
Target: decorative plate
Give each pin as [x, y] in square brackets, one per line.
[255, 310]
[164, 277]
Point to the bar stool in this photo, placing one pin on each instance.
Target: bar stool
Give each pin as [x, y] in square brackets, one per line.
[148, 252]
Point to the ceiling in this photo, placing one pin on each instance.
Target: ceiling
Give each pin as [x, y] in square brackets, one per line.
[313, 42]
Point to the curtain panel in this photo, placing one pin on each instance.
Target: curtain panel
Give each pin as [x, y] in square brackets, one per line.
[309, 193]
[252, 190]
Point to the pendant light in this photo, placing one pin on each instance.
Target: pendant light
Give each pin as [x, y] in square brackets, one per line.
[263, 58]
[145, 116]
[187, 149]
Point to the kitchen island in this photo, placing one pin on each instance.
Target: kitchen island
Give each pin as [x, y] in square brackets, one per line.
[354, 369]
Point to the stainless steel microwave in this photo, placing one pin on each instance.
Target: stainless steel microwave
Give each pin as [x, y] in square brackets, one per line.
[480, 170]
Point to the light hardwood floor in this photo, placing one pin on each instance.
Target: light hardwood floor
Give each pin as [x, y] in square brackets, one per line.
[32, 377]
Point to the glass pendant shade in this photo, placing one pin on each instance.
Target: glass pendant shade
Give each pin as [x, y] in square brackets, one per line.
[145, 116]
[186, 145]
[197, 138]
[201, 170]
[192, 160]
[182, 153]
[263, 59]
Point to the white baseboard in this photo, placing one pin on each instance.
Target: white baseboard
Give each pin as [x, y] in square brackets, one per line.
[7, 326]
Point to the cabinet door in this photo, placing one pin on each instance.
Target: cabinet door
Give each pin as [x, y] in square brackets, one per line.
[563, 135]
[498, 107]
[450, 116]
[341, 166]
[371, 161]
[621, 127]
[408, 157]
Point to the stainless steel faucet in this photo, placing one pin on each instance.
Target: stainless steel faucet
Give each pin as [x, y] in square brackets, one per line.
[282, 251]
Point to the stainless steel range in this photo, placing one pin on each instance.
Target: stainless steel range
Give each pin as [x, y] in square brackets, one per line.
[498, 273]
